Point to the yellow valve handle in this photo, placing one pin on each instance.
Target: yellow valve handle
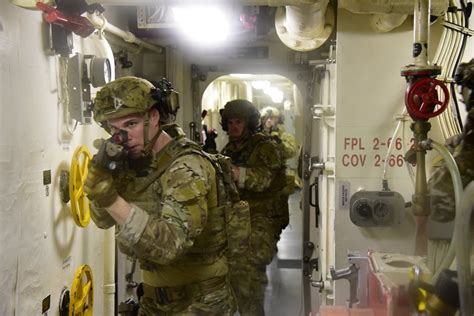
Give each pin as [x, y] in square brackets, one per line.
[82, 295]
[78, 173]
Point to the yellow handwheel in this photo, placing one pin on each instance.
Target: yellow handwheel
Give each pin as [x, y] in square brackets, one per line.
[78, 173]
[82, 293]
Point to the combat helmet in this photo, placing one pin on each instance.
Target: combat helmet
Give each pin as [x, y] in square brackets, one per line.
[242, 109]
[128, 95]
[124, 96]
[269, 111]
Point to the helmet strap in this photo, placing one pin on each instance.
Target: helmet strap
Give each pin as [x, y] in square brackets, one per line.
[148, 144]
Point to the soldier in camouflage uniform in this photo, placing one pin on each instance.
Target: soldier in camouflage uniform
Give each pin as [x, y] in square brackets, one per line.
[272, 126]
[440, 183]
[259, 173]
[164, 205]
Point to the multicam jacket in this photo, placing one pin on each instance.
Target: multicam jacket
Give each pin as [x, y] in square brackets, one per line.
[287, 142]
[262, 171]
[441, 185]
[176, 229]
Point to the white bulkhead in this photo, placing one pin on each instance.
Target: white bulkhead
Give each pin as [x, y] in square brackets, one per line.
[335, 68]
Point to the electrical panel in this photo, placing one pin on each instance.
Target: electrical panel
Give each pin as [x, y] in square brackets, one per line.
[377, 208]
[84, 71]
[80, 103]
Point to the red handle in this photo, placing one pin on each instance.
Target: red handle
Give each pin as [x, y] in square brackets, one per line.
[422, 101]
[74, 23]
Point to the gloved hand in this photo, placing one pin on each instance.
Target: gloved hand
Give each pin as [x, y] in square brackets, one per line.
[452, 142]
[100, 186]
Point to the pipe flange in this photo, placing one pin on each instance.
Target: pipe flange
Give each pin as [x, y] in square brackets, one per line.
[308, 42]
[420, 71]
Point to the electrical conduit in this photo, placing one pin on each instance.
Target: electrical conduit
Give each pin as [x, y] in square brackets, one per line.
[100, 22]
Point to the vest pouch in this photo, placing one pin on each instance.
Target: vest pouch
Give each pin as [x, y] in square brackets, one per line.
[237, 216]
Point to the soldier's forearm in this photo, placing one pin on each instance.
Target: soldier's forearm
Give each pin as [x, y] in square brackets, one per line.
[120, 210]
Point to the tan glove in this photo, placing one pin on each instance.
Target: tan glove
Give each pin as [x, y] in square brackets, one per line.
[100, 186]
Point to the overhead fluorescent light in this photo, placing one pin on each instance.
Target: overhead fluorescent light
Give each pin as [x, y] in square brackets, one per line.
[202, 24]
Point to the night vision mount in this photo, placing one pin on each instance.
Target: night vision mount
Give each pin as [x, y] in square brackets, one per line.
[167, 98]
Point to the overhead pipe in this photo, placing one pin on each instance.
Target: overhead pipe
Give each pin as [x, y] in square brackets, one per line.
[421, 31]
[270, 3]
[382, 22]
[100, 22]
[29, 4]
[438, 7]
[305, 27]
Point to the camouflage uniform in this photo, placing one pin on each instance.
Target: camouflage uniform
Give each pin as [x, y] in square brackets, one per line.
[288, 149]
[440, 183]
[261, 173]
[176, 231]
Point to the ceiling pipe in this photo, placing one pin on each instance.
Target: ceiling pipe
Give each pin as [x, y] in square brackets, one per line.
[271, 3]
[387, 15]
[29, 4]
[100, 23]
[438, 7]
[306, 27]
[384, 23]
[356, 6]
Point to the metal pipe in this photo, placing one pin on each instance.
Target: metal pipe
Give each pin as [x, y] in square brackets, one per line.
[272, 3]
[438, 7]
[421, 32]
[306, 21]
[420, 199]
[100, 23]
[355, 6]
[109, 271]
[129, 47]
[29, 4]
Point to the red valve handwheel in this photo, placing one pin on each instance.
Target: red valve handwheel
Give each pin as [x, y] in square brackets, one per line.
[421, 99]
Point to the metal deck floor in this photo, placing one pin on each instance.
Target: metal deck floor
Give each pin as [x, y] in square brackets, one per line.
[283, 296]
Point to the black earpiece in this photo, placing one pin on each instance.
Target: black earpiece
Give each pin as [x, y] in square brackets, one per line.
[167, 98]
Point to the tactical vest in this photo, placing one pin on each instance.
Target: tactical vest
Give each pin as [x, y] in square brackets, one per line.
[245, 157]
[228, 224]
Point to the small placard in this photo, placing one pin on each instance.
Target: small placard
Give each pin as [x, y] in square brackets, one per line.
[66, 262]
[344, 194]
[46, 304]
[46, 177]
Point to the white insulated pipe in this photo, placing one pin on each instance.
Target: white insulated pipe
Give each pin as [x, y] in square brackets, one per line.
[306, 21]
[271, 3]
[109, 271]
[384, 23]
[355, 6]
[100, 23]
[29, 4]
[421, 32]
[438, 7]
